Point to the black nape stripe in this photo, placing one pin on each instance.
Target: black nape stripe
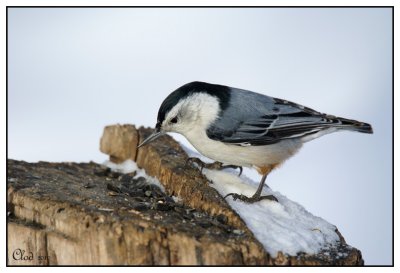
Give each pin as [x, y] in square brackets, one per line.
[219, 91]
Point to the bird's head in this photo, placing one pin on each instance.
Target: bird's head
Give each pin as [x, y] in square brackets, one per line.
[192, 106]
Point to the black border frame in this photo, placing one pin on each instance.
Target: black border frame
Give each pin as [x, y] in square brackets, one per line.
[191, 7]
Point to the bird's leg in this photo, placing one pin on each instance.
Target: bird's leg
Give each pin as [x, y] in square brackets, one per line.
[256, 196]
[214, 166]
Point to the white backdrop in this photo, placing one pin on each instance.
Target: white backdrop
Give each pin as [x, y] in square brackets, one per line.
[73, 71]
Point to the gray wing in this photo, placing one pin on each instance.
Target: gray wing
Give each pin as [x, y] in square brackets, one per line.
[255, 119]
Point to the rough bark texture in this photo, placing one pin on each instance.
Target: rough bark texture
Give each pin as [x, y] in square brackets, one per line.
[69, 213]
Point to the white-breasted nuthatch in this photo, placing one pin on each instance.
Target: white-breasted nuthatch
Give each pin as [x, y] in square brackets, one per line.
[243, 128]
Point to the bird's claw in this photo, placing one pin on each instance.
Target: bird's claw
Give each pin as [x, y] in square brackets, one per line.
[234, 167]
[197, 161]
[214, 166]
[252, 199]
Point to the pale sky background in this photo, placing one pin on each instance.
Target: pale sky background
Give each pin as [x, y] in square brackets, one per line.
[73, 71]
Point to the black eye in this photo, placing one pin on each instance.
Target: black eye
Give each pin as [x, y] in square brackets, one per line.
[174, 120]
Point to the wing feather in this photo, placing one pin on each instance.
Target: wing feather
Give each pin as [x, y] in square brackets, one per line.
[269, 121]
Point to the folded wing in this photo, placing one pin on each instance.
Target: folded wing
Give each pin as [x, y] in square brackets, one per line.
[272, 120]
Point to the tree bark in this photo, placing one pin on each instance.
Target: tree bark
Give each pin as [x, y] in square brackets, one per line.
[85, 214]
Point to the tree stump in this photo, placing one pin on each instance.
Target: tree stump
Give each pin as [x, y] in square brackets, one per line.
[85, 214]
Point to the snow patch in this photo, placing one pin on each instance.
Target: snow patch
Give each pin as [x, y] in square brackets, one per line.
[130, 166]
[285, 226]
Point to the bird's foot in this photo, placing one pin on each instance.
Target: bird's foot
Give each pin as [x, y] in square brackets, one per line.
[253, 199]
[214, 166]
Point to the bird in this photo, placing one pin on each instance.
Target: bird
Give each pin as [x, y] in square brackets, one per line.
[237, 127]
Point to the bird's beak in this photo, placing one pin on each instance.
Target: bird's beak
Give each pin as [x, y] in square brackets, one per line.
[157, 133]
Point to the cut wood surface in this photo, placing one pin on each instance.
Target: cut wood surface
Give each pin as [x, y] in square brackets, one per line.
[85, 214]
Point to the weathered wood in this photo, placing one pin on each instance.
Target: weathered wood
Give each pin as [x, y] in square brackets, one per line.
[165, 159]
[69, 213]
[119, 142]
[66, 211]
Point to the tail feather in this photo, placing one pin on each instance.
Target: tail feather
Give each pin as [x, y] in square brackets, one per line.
[354, 125]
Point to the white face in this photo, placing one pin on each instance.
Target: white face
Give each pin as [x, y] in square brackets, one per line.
[197, 110]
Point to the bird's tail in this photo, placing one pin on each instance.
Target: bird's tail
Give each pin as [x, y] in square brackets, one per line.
[354, 125]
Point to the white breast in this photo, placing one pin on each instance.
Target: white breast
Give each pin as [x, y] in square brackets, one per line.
[247, 156]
